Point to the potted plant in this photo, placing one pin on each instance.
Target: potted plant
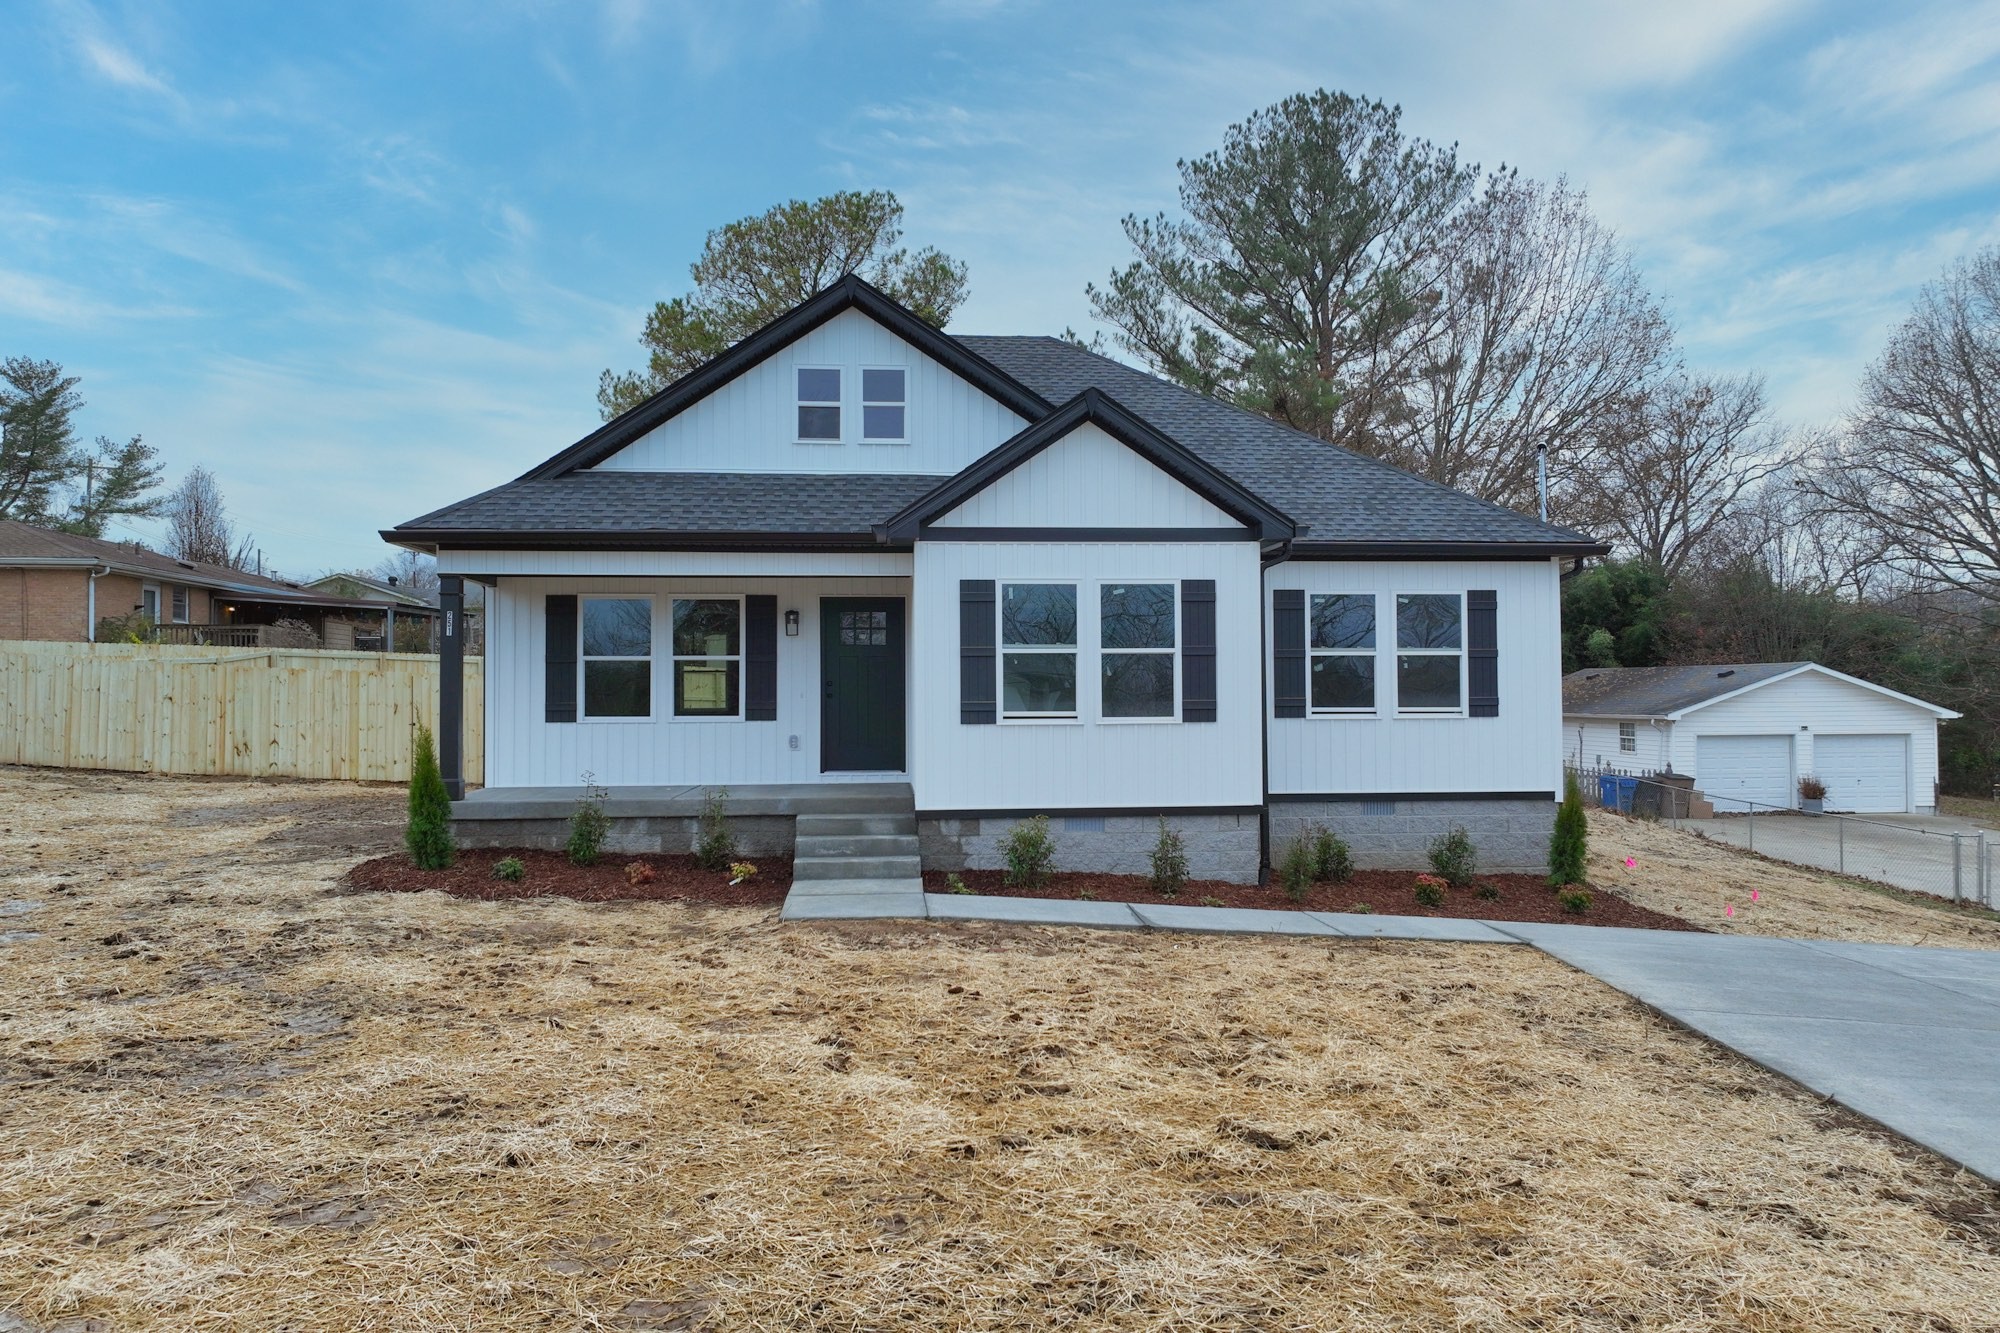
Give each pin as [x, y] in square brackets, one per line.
[1812, 794]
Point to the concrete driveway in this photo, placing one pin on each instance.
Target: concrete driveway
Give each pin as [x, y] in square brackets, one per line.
[1909, 851]
[1908, 1037]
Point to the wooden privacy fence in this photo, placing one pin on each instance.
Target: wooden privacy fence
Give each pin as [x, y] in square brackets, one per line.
[157, 708]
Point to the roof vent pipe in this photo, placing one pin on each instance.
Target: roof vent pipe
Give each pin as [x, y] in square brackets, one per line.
[1542, 479]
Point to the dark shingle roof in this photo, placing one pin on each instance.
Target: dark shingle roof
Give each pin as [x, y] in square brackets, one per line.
[1659, 691]
[24, 541]
[626, 504]
[1340, 496]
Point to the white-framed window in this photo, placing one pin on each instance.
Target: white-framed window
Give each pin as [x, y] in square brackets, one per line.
[1037, 650]
[615, 655]
[819, 404]
[708, 657]
[149, 601]
[180, 604]
[1340, 641]
[1628, 737]
[1138, 644]
[884, 405]
[1430, 652]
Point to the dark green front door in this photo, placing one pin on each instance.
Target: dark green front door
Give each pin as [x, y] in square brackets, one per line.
[861, 684]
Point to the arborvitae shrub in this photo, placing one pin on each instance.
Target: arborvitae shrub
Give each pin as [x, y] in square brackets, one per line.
[428, 834]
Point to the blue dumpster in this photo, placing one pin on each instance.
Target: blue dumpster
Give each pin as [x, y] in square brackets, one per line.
[1615, 792]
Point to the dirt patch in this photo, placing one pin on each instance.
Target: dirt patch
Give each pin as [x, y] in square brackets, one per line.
[551, 874]
[1711, 885]
[1515, 897]
[234, 1094]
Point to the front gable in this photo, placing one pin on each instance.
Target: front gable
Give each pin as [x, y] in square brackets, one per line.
[1086, 479]
[750, 424]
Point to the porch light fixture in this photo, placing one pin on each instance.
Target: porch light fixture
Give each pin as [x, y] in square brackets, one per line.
[791, 624]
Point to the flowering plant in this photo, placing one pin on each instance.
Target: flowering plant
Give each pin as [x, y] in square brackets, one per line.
[740, 871]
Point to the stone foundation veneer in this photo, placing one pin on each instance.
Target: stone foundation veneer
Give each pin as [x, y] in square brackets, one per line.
[1220, 847]
[756, 835]
[1508, 834]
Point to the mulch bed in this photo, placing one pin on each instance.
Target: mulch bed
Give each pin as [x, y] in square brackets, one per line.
[1389, 892]
[676, 879]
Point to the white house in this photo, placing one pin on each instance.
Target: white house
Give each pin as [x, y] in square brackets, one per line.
[1747, 733]
[997, 577]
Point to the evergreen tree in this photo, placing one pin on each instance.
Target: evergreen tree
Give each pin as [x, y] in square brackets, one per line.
[1569, 845]
[428, 835]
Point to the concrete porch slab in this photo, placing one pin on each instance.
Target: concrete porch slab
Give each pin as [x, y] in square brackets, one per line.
[852, 906]
[684, 801]
[1031, 911]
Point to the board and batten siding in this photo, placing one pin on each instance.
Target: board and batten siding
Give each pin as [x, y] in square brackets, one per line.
[1593, 742]
[1518, 751]
[751, 423]
[1087, 479]
[1824, 705]
[1086, 764]
[525, 750]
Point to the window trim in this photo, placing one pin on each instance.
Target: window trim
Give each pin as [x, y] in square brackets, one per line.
[1399, 653]
[674, 715]
[1628, 738]
[652, 713]
[1374, 710]
[180, 603]
[1172, 654]
[838, 403]
[1001, 649]
[867, 402]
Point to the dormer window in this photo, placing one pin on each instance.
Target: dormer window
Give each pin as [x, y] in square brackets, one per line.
[819, 405]
[883, 405]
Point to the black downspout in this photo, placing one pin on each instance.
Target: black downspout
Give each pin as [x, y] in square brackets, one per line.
[451, 684]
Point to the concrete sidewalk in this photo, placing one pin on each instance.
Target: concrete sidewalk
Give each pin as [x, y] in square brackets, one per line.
[1908, 1037]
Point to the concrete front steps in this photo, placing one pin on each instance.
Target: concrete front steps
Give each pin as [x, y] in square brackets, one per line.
[853, 865]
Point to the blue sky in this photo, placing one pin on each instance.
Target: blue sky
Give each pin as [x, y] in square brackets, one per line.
[362, 259]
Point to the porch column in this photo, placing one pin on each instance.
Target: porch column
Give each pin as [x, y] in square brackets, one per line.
[451, 684]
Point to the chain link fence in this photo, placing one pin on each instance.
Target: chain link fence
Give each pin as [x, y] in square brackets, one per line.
[1960, 865]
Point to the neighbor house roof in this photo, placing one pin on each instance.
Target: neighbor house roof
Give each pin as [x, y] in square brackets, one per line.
[376, 590]
[25, 546]
[1669, 691]
[1336, 502]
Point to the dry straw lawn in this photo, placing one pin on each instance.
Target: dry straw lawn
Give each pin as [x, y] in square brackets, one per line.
[1689, 877]
[238, 1098]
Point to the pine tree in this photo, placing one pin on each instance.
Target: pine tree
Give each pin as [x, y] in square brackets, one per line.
[429, 833]
[1569, 845]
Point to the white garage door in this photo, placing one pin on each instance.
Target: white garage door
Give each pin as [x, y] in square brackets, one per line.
[1864, 774]
[1737, 771]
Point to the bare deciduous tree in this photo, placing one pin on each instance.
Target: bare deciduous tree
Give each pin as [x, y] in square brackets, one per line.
[1686, 461]
[198, 524]
[1544, 334]
[1919, 465]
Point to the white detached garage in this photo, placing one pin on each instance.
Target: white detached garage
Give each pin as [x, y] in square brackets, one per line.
[1749, 732]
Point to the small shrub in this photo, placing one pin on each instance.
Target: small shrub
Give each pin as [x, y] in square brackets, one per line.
[715, 846]
[589, 824]
[1487, 891]
[1569, 845]
[1363, 909]
[1453, 857]
[1333, 862]
[1574, 901]
[1295, 869]
[1430, 890]
[740, 871]
[1211, 902]
[954, 884]
[428, 834]
[1170, 863]
[1811, 788]
[1030, 853]
[1087, 895]
[510, 869]
[638, 872]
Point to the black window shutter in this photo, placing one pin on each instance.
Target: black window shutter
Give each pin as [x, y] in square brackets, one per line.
[1197, 650]
[1288, 652]
[1482, 653]
[976, 630]
[559, 658]
[760, 658]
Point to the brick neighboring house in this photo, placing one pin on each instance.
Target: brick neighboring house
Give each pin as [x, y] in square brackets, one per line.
[56, 586]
